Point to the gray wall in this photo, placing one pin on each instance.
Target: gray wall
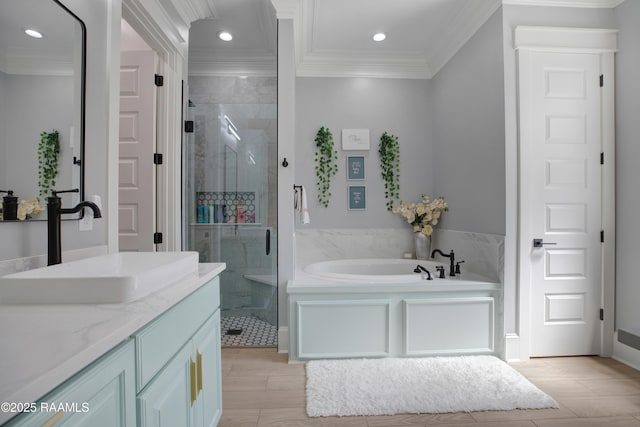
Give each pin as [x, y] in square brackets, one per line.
[627, 171]
[21, 240]
[396, 106]
[37, 104]
[467, 109]
[451, 133]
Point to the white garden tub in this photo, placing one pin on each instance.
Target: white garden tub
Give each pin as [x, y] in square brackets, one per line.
[381, 308]
[382, 270]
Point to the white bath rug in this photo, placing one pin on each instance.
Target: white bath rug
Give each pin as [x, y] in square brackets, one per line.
[425, 385]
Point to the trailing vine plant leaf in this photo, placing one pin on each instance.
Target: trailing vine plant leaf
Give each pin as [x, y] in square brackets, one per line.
[389, 152]
[48, 153]
[325, 164]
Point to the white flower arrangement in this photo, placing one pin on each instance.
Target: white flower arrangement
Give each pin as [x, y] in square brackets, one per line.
[424, 215]
[27, 208]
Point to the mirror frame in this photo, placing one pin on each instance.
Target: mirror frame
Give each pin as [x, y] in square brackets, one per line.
[82, 133]
[83, 99]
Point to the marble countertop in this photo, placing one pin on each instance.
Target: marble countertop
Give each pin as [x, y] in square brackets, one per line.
[44, 345]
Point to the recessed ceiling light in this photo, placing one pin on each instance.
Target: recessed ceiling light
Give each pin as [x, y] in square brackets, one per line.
[378, 37]
[225, 36]
[33, 33]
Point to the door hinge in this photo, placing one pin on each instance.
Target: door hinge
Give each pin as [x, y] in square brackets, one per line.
[602, 158]
[158, 80]
[188, 126]
[157, 238]
[602, 314]
[601, 80]
[601, 236]
[157, 158]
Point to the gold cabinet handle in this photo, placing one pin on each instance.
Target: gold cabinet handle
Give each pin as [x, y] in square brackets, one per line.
[192, 371]
[51, 421]
[199, 361]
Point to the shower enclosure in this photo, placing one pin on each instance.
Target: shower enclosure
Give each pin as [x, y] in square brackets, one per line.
[230, 199]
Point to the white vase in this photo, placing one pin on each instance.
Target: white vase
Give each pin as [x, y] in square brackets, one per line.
[422, 245]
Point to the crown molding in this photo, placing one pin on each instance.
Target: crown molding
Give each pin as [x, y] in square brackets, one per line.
[354, 64]
[602, 4]
[208, 62]
[286, 9]
[36, 62]
[254, 68]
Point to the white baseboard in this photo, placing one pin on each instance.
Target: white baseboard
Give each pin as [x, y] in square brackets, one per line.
[512, 348]
[625, 354]
[283, 339]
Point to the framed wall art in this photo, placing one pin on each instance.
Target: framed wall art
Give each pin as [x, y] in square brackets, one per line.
[355, 168]
[355, 139]
[357, 197]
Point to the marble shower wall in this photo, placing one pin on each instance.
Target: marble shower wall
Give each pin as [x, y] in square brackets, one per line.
[221, 163]
[482, 253]
[251, 103]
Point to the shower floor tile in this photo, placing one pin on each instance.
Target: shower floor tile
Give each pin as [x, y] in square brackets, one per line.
[255, 332]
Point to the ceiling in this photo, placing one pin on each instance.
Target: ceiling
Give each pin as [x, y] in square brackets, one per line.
[253, 48]
[51, 55]
[333, 37]
[422, 35]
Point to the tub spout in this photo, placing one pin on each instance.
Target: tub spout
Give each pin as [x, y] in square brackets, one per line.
[423, 271]
[452, 260]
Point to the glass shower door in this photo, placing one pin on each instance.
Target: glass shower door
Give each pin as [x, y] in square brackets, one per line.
[230, 212]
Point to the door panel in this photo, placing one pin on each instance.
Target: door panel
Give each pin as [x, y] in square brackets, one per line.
[136, 191]
[561, 190]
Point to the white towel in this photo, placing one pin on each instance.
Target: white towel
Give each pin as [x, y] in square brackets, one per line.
[304, 210]
[297, 199]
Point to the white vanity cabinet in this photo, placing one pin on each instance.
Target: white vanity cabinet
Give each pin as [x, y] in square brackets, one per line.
[101, 395]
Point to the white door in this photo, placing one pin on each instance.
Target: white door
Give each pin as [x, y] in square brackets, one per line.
[561, 194]
[136, 191]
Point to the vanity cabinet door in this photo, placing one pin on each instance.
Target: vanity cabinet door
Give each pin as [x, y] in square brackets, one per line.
[206, 347]
[101, 395]
[187, 392]
[166, 401]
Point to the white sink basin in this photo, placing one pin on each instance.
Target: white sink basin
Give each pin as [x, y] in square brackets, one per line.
[113, 278]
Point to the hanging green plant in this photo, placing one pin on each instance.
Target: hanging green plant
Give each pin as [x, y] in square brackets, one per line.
[389, 151]
[326, 164]
[48, 152]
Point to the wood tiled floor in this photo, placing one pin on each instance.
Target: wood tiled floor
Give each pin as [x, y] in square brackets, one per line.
[259, 388]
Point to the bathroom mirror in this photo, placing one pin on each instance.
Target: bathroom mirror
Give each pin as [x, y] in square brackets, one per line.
[42, 89]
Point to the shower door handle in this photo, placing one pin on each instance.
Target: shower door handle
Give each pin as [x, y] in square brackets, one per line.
[267, 242]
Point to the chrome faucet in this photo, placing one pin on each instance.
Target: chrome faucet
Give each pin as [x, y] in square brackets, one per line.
[452, 260]
[54, 211]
